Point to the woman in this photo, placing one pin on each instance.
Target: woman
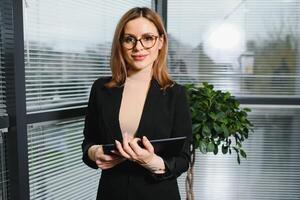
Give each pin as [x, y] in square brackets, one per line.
[137, 104]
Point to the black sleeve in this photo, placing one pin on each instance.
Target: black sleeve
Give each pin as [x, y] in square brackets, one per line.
[90, 128]
[182, 126]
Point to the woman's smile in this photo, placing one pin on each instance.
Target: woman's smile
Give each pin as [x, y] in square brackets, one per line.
[139, 57]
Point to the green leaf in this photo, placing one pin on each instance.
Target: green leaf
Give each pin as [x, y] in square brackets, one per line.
[224, 149]
[247, 109]
[238, 159]
[243, 153]
[210, 147]
[196, 143]
[202, 147]
[246, 135]
[206, 131]
[220, 116]
[226, 95]
[216, 149]
[196, 127]
[225, 131]
[238, 144]
[213, 116]
[204, 104]
[208, 86]
[217, 128]
[236, 150]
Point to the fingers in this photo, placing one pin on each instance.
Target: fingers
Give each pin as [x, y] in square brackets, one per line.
[107, 158]
[128, 150]
[121, 151]
[147, 144]
[135, 147]
[101, 158]
[101, 161]
[131, 150]
[99, 155]
[108, 165]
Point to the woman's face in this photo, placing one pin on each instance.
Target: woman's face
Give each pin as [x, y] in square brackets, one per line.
[140, 57]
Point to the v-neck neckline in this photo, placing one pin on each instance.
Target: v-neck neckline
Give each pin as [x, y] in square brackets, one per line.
[144, 110]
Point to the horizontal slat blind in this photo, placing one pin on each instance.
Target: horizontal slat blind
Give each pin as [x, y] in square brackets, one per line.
[272, 169]
[67, 46]
[4, 175]
[247, 47]
[250, 48]
[56, 170]
[3, 111]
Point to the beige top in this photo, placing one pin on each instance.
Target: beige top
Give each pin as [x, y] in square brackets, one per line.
[133, 99]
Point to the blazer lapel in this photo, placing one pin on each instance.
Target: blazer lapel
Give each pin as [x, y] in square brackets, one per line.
[145, 126]
[111, 106]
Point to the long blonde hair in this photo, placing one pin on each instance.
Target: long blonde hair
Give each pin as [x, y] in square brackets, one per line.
[117, 62]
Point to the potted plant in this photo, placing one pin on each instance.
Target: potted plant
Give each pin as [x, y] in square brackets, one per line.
[219, 123]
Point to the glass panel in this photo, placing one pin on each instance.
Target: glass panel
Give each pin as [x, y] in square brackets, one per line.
[5, 39]
[3, 111]
[56, 170]
[250, 48]
[271, 170]
[67, 47]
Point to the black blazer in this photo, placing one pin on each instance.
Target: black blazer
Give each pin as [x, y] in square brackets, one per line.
[165, 114]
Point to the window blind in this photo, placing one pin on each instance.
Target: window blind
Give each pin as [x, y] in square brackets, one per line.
[272, 167]
[56, 170]
[4, 179]
[3, 111]
[248, 47]
[67, 46]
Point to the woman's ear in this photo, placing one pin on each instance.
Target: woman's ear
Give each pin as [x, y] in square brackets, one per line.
[161, 42]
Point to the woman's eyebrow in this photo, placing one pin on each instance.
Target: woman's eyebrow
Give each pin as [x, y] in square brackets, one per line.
[130, 34]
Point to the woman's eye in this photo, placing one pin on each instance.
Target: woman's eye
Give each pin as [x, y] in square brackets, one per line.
[148, 38]
[129, 40]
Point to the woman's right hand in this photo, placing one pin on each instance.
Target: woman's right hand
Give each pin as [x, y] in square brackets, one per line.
[104, 161]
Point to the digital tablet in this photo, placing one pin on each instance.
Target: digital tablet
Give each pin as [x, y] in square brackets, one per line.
[167, 147]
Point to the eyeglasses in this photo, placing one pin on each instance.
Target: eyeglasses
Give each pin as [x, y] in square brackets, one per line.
[147, 41]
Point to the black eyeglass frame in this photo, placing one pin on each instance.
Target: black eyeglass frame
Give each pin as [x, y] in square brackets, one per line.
[139, 40]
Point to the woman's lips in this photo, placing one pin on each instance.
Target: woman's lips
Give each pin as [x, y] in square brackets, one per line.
[139, 57]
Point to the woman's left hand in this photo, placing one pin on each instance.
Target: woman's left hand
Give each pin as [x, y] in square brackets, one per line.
[132, 150]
